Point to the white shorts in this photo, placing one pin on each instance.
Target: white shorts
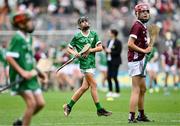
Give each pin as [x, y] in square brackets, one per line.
[36, 92]
[84, 71]
[68, 69]
[170, 69]
[152, 66]
[135, 68]
[102, 68]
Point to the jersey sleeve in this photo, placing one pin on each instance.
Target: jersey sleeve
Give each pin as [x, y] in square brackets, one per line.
[97, 41]
[73, 42]
[14, 48]
[134, 31]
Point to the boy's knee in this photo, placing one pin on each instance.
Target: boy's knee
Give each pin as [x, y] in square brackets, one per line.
[142, 91]
[32, 105]
[41, 104]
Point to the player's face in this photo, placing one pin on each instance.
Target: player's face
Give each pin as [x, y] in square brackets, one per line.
[84, 25]
[144, 15]
[30, 26]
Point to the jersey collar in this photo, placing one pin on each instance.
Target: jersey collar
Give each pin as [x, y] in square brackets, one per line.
[142, 23]
[25, 37]
[84, 34]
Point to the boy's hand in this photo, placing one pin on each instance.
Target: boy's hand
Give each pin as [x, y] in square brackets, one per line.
[108, 50]
[37, 72]
[148, 49]
[85, 54]
[45, 78]
[77, 55]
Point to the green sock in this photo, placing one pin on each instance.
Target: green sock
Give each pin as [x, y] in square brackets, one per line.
[71, 103]
[98, 106]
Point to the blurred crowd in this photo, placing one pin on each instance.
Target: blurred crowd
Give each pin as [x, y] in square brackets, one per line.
[52, 15]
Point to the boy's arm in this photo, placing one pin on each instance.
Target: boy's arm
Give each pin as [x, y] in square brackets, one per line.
[15, 65]
[98, 48]
[73, 52]
[134, 47]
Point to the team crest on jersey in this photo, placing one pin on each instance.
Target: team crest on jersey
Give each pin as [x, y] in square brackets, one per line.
[92, 39]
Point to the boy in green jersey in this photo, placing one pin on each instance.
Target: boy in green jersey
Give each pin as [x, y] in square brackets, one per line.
[87, 65]
[21, 60]
[153, 68]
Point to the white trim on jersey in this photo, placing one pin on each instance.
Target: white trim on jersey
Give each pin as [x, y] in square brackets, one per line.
[98, 43]
[69, 45]
[25, 37]
[142, 23]
[84, 34]
[133, 36]
[13, 54]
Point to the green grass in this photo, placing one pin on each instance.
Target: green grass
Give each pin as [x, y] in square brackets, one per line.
[165, 110]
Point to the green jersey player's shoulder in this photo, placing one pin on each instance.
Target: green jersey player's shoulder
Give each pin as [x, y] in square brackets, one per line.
[77, 35]
[16, 38]
[93, 32]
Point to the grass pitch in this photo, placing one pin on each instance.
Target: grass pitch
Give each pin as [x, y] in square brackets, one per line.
[164, 110]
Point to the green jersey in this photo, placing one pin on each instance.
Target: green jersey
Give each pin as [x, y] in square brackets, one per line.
[78, 42]
[152, 53]
[102, 58]
[20, 49]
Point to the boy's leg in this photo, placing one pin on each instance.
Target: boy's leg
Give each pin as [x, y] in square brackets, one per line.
[142, 93]
[166, 92]
[100, 111]
[150, 78]
[179, 75]
[90, 79]
[141, 115]
[104, 78]
[84, 87]
[67, 107]
[134, 97]
[155, 78]
[141, 97]
[166, 79]
[30, 107]
[40, 103]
